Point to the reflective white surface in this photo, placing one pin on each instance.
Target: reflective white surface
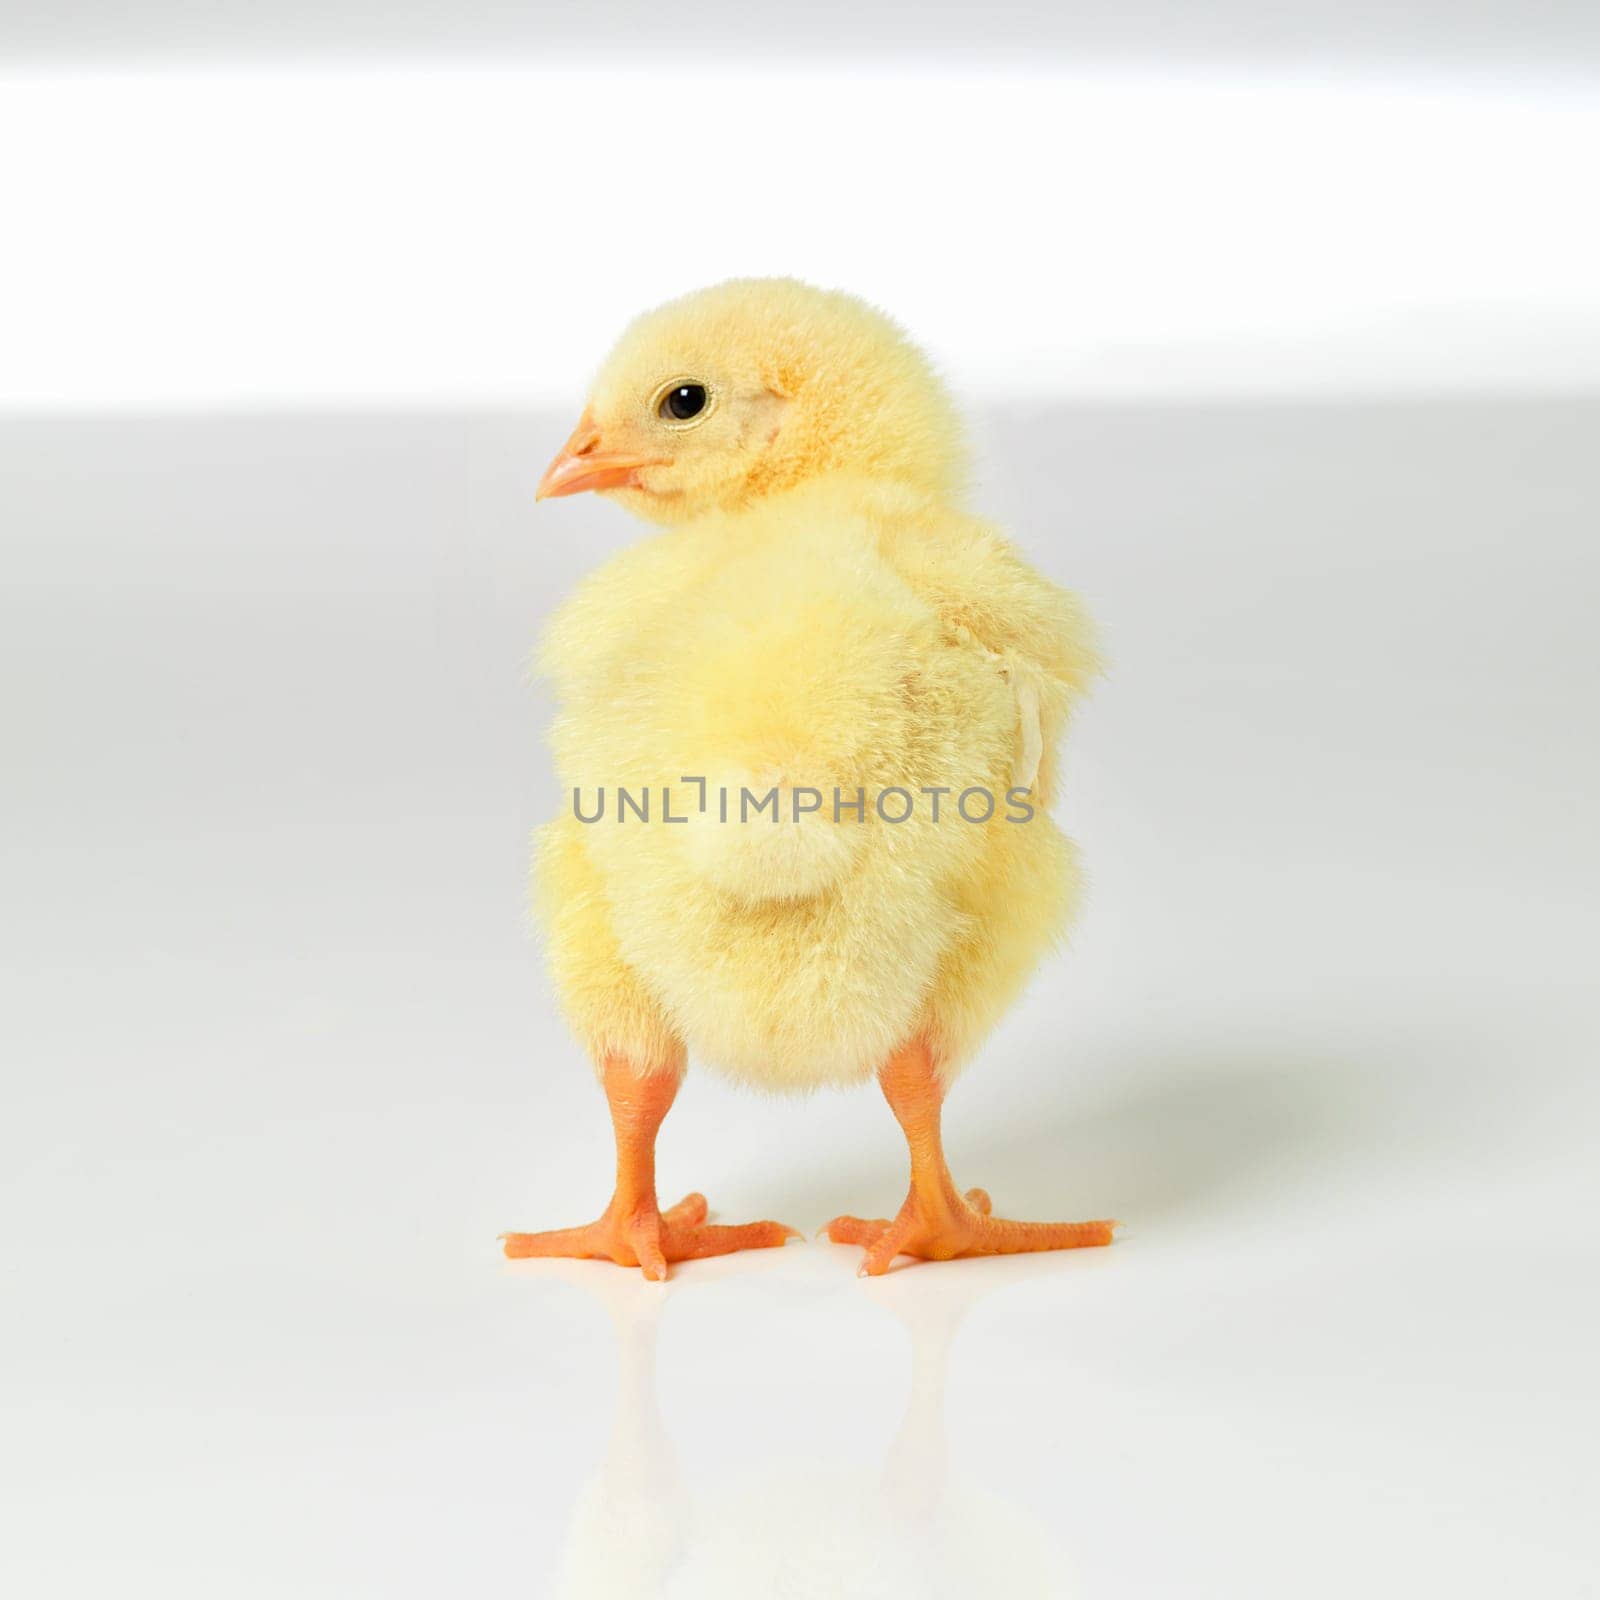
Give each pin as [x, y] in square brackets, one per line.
[278, 1062]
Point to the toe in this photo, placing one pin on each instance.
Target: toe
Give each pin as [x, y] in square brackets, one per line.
[856, 1230]
[694, 1244]
[979, 1200]
[1000, 1236]
[557, 1242]
[688, 1211]
[643, 1234]
[881, 1253]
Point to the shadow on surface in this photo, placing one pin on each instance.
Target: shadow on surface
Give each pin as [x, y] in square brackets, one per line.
[1176, 1134]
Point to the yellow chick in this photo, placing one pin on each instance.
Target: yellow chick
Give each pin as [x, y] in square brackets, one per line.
[809, 737]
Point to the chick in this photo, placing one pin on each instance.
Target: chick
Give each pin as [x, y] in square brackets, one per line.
[810, 733]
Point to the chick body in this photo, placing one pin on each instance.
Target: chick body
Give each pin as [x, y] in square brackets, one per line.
[850, 634]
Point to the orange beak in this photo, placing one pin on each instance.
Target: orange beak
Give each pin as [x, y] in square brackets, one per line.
[584, 463]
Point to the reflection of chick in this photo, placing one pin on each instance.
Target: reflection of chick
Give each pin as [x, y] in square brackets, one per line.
[631, 1521]
[641, 1531]
[827, 639]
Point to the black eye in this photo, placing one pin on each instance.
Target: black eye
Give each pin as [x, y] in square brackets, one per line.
[687, 400]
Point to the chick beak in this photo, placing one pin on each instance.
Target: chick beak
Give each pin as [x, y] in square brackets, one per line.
[584, 463]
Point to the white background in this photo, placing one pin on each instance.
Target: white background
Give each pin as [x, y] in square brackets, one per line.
[1279, 343]
[200, 236]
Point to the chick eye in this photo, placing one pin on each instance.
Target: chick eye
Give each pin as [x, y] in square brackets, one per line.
[687, 400]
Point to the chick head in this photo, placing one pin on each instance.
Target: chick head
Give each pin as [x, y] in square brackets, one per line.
[713, 401]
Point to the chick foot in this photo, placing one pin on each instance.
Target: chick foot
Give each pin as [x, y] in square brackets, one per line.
[633, 1231]
[641, 1236]
[954, 1225]
[936, 1223]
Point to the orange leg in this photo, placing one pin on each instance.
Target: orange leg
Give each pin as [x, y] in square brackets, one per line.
[633, 1231]
[936, 1222]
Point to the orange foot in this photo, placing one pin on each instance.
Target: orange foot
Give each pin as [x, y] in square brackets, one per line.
[942, 1225]
[642, 1236]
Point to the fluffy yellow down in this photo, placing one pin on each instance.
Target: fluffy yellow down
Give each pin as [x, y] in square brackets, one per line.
[822, 614]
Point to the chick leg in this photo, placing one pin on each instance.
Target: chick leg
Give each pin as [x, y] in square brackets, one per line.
[936, 1222]
[633, 1231]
